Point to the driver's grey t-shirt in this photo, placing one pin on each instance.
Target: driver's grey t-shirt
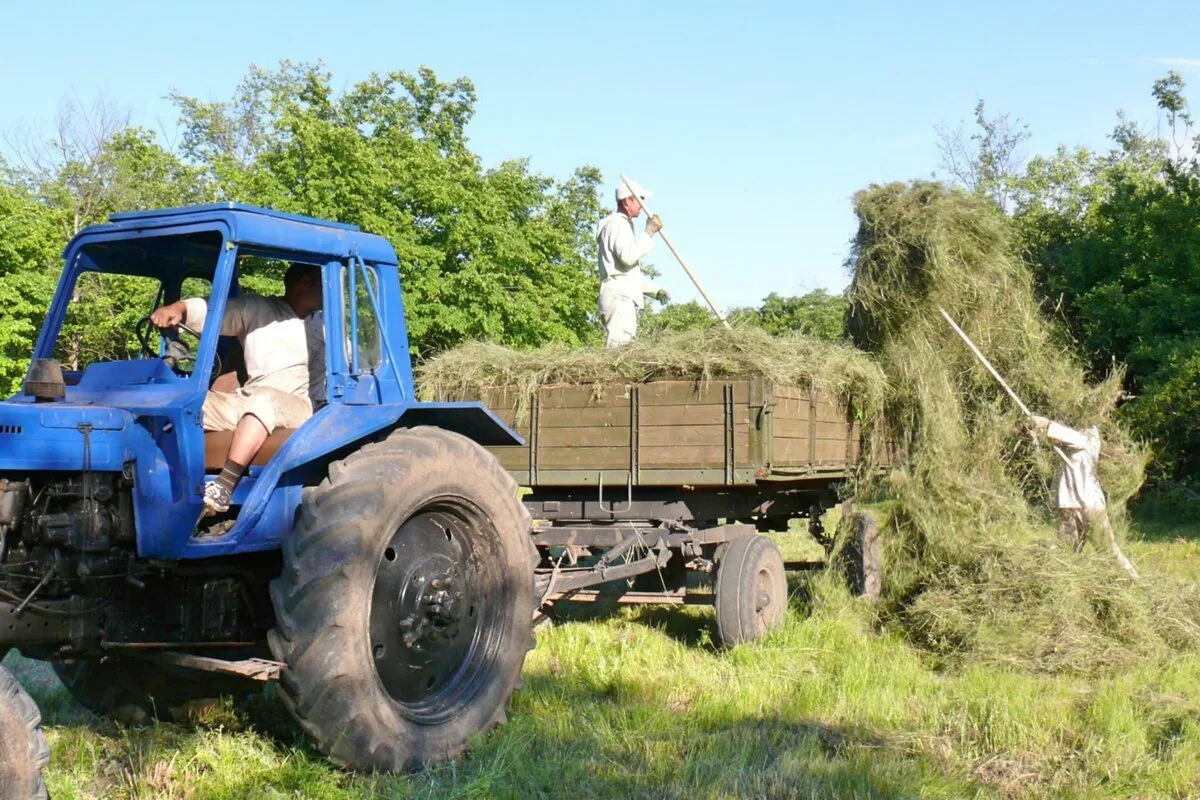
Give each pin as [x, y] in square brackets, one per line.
[274, 340]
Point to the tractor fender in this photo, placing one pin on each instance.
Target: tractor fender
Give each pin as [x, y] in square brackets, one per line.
[331, 433]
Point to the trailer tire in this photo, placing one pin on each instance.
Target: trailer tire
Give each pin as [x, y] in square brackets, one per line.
[751, 590]
[404, 609]
[24, 752]
[861, 556]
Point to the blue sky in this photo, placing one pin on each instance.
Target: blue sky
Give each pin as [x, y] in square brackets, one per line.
[753, 123]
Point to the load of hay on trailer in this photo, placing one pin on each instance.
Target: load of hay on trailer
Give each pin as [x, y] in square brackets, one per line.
[654, 469]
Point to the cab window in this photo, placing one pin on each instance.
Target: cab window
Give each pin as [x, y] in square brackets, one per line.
[365, 340]
[101, 317]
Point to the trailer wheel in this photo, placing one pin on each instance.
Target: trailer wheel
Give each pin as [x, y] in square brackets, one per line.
[751, 590]
[132, 691]
[405, 606]
[861, 556]
[24, 752]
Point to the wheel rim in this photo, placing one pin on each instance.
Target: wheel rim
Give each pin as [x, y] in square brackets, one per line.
[764, 601]
[437, 610]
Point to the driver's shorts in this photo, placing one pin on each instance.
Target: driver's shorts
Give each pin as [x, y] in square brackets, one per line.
[274, 408]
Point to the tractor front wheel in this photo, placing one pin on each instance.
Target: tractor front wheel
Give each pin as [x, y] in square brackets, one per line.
[23, 749]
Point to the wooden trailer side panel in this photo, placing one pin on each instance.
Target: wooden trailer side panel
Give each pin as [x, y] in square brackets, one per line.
[809, 433]
[672, 433]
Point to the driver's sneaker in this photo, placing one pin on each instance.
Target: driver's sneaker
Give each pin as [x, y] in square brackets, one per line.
[216, 499]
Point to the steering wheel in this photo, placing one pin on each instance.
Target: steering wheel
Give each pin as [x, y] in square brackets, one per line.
[178, 356]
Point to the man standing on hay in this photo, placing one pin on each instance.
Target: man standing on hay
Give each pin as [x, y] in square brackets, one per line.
[1080, 500]
[623, 287]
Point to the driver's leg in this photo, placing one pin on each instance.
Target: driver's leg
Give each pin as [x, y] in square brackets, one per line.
[248, 438]
[222, 410]
[261, 410]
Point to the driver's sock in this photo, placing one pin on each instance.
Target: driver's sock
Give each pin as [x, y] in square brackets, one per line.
[230, 475]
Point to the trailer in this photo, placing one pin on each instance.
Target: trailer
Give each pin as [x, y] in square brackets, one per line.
[660, 492]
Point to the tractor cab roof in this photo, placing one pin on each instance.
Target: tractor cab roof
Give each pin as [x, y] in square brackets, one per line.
[250, 226]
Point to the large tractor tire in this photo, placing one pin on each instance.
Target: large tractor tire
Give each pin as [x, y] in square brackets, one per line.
[132, 691]
[23, 749]
[751, 590]
[405, 605]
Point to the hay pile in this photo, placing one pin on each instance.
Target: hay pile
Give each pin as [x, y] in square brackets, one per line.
[973, 572]
[841, 371]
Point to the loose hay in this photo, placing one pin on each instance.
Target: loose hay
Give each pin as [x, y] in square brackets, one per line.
[973, 572]
[838, 370]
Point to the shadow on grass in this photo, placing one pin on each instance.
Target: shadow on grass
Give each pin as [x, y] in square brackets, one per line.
[563, 742]
[690, 625]
[1166, 518]
[1160, 528]
[567, 738]
[568, 735]
[693, 626]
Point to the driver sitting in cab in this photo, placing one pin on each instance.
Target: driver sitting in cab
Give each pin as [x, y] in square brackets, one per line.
[275, 341]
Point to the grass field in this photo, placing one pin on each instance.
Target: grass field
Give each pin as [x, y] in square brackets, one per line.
[639, 703]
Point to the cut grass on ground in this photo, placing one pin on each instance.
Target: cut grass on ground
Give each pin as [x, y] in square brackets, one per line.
[638, 703]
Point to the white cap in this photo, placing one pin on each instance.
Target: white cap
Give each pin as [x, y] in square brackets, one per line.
[623, 191]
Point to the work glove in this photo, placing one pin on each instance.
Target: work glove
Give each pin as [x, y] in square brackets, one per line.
[653, 225]
[662, 296]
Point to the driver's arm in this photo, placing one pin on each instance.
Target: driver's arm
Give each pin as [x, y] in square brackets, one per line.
[235, 322]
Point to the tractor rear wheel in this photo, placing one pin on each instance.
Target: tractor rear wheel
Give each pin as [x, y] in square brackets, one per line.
[751, 589]
[24, 752]
[405, 605]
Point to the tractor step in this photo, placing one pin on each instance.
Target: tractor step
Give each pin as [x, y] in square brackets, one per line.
[256, 669]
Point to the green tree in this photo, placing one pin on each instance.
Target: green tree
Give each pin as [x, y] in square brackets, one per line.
[504, 254]
[688, 316]
[818, 314]
[94, 165]
[30, 240]
[987, 161]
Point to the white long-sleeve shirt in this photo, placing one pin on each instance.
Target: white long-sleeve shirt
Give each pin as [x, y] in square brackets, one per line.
[1078, 484]
[621, 251]
[274, 340]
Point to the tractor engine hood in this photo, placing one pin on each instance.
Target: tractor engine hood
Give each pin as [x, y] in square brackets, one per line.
[63, 436]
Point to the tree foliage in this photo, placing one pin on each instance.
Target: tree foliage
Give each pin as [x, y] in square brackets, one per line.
[501, 253]
[988, 161]
[818, 314]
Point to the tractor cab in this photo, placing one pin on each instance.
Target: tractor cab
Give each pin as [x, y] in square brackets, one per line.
[128, 405]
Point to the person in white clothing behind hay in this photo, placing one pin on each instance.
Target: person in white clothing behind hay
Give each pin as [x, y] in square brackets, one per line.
[1082, 508]
[623, 287]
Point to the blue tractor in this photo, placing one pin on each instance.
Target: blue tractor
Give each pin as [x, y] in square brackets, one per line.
[377, 560]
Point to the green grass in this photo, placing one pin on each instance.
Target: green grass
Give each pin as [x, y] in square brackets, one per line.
[639, 703]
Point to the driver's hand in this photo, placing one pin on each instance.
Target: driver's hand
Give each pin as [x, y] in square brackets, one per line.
[169, 316]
